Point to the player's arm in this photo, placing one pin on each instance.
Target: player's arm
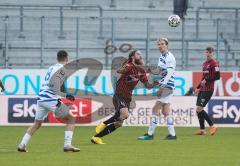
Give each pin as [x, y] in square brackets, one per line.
[210, 77]
[2, 86]
[59, 85]
[170, 72]
[215, 76]
[124, 68]
[150, 85]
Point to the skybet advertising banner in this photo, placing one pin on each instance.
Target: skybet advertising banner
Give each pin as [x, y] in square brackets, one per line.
[21, 110]
[19, 102]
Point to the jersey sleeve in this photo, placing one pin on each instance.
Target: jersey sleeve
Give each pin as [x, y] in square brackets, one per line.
[143, 78]
[171, 63]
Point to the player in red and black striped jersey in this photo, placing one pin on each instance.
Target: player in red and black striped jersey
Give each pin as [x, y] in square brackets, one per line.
[211, 73]
[131, 73]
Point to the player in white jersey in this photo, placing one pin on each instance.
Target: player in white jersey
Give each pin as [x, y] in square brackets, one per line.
[167, 65]
[49, 100]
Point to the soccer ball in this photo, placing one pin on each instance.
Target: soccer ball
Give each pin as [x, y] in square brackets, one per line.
[174, 20]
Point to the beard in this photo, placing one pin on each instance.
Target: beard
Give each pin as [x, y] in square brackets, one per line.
[139, 61]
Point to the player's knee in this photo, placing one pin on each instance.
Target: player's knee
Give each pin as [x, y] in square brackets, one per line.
[199, 109]
[124, 114]
[70, 119]
[166, 113]
[118, 124]
[169, 120]
[156, 109]
[36, 125]
[156, 112]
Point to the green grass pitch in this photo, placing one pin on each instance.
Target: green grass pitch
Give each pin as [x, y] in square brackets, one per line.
[122, 148]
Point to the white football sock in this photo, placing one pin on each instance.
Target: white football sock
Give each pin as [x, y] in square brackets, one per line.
[170, 125]
[68, 138]
[25, 140]
[153, 124]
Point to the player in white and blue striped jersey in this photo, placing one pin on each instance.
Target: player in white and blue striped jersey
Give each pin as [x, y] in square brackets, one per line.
[49, 100]
[166, 65]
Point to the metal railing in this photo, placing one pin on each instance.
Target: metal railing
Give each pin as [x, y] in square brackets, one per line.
[61, 9]
[215, 9]
[112, 29]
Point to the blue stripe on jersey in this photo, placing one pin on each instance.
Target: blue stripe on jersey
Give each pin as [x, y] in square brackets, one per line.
[170, 84]
[44, 95]
[50, 92]
[47, 100]
[162, 60]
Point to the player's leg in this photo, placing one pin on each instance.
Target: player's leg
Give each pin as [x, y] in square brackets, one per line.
[199, 108]
[120, 117]
[213, 129]
[69, 130]
[201, 121]
[202, 100]
[170, 122]
[118, 104]
[62, 111]
[153, 122]
[41, 113]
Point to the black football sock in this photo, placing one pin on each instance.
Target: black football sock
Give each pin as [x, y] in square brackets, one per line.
[207, 118]
[201, 120]
[113, 119]
[110, 128]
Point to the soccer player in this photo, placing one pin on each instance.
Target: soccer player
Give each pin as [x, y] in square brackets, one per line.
[167, 65]
[2, 86]
[211, 73]
[131, 72]
[49, 100]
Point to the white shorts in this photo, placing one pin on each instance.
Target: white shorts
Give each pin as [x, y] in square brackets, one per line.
[166, 96]
[43, 109]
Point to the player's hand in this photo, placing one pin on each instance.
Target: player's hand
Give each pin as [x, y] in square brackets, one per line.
[203, 82]
[70, 97]
[197, 90]
[3, 89]
[155, 83]
[160, 91]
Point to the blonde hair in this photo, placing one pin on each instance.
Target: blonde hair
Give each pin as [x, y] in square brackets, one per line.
[164, 39]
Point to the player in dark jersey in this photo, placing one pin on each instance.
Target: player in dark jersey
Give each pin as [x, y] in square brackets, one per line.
[211, 73]
[131, 72]
[2, 86]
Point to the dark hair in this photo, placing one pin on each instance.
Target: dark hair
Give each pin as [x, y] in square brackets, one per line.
[62, 55]
[132, 53]
[210, 49]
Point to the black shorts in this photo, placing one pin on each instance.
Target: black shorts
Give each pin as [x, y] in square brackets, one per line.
[120, 103]
[203, 98]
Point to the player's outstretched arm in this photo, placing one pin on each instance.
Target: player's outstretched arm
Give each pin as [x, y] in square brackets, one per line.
[149, 85]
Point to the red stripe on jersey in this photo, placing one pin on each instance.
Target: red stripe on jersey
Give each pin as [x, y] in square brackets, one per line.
[209, 71]
[127, 82]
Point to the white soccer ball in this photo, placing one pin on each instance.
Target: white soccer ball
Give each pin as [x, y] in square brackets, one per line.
[174, 20]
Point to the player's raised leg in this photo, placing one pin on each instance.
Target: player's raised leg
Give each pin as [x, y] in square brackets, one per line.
[62, 111]
[112, 124]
